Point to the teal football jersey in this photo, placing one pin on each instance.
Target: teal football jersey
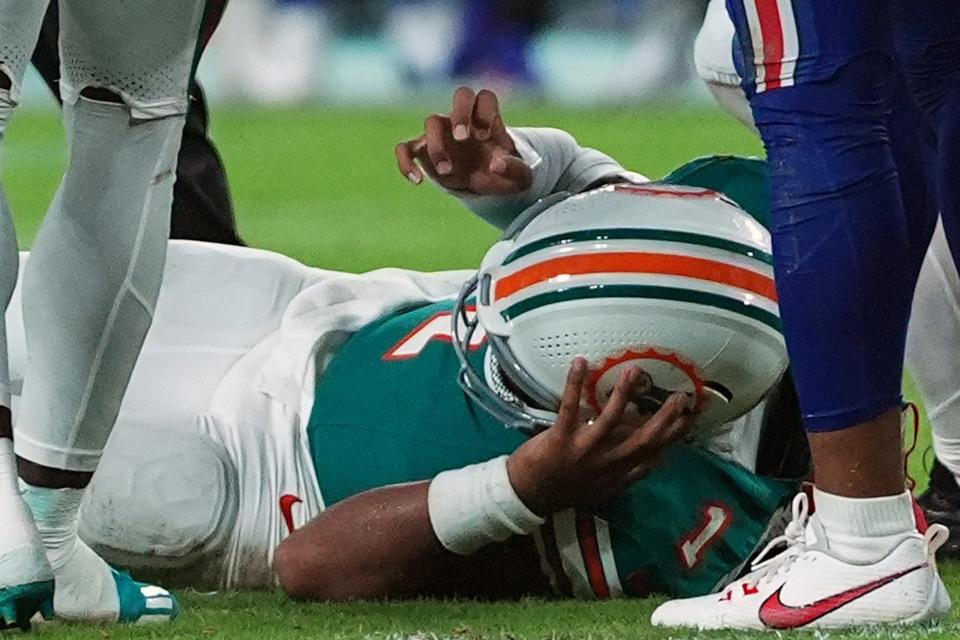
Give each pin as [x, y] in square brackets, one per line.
[389, 410]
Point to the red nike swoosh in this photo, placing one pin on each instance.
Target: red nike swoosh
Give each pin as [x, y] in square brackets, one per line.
[776, 615]
[287, 501]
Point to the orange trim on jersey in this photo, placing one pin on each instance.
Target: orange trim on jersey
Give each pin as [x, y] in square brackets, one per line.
[394, 353]
[590, 551]
[638, 262]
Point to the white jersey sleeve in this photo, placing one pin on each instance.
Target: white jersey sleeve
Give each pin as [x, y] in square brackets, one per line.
[320, 319]
[559, 164]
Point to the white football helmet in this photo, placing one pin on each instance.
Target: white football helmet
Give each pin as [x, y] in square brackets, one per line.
[677, 280]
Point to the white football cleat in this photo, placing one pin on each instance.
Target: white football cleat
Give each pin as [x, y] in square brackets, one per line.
[26, 580]
[89, 590]
[806, 586]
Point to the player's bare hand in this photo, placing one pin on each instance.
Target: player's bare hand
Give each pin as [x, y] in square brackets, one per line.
[582, 463]
[467, 150]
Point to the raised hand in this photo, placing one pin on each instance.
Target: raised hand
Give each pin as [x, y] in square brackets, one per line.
[582, 463]
[468, 150]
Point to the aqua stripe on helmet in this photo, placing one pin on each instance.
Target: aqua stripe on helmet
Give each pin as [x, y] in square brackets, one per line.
[674, 294]
[627, 233]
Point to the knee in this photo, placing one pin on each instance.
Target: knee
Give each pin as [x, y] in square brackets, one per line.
[313, 572]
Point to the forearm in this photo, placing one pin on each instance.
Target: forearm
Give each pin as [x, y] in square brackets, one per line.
[558, 163]
[380, 544]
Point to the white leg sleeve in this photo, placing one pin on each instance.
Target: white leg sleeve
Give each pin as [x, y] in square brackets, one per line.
[92, 281]
[9, 264]
[19, 27]
[933, 342]
[95, 270]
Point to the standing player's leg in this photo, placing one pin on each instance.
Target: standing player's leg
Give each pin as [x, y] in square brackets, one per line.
[94, 274]
[202, 208]
[932, 345]
[819, 76]
[928, 46]
[25, 577]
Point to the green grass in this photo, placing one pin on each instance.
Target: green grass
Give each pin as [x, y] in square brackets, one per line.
[320, 185]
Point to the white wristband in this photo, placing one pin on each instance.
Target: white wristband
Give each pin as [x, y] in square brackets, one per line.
[476, 505]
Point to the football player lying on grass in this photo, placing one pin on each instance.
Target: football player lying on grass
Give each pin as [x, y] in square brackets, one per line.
[547, 445]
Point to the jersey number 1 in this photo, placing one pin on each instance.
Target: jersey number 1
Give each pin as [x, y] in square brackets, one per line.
[716, 519]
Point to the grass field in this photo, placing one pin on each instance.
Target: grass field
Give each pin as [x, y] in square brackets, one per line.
[320, 185]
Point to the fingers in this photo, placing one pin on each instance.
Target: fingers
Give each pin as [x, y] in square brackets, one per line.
[568, 416]
[486, 113]
[612, 411]
[667, 422]
[439, 138]
[671, 422]
[641, 471]
[405, 160]
[461, 115]
[680, 428]
[514, 170]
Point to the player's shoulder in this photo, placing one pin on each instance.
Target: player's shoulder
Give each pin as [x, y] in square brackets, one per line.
[743, 179]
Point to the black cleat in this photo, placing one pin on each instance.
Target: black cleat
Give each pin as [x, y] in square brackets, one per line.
[941, 504]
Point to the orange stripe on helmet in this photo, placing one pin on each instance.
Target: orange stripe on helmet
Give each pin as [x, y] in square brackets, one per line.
[638, 262]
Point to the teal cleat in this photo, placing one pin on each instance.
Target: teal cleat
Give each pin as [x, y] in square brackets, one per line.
[142, 603]
[19, 604]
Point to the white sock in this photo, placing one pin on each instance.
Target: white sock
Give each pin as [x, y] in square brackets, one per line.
[85, 588]
[864, 530]
[55, 512]
[22, 560]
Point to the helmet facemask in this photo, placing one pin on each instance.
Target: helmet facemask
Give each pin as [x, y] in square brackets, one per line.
[488, 388]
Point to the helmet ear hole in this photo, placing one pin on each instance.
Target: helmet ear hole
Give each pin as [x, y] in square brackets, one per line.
[718, 391]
